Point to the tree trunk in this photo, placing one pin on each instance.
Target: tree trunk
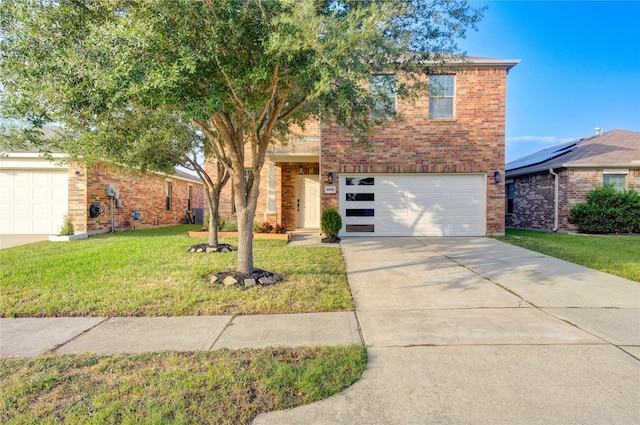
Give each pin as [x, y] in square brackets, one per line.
[213, 198]
[246, 197]
[245, 242]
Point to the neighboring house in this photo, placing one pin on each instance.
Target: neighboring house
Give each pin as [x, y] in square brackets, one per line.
[35, 193]
[437, 172]
[535, 202]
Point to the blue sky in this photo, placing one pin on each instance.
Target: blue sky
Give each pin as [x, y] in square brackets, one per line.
[579, 69]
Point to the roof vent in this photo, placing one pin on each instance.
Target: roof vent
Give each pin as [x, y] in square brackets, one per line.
[598, 131]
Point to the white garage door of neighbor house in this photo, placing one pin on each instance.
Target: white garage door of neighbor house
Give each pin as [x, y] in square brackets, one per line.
[32, 202]
[413, 204]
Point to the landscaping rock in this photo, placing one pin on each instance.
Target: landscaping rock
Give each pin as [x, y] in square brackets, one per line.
[229, 281]
[257, 278]
[265, 281]
[203, 247]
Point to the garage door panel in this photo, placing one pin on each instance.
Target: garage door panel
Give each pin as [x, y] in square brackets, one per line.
[421, 204]
[33, 201]
[42, 194]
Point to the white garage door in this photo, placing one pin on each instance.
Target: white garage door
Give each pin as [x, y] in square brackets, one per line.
[32, 202]
[413, 204]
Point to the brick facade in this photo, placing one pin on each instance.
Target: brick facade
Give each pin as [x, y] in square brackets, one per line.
[533, 205]
[471, 142]
[146, 193]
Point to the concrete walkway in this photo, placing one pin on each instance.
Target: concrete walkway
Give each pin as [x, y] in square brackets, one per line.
[10, 241]
[475, 331]
[26, 337]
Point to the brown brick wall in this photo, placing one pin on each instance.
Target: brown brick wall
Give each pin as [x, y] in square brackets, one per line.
[471, 142]
[533, 205]
[145, 193]
[534, 197]
[226, 204]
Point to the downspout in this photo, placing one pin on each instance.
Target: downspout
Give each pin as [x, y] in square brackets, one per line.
[555, 201]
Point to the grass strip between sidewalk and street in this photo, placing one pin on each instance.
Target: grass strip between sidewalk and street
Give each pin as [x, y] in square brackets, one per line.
[617, 255]
[149, 273]
[211, 387]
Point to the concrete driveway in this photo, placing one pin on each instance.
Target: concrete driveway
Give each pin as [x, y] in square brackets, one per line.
[475, 331]
[9, 241]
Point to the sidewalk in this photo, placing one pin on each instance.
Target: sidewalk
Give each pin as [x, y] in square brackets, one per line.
[33, 337]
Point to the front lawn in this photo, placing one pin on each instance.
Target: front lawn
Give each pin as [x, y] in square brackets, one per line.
[210, 387]
[617, 255]
[149, 273]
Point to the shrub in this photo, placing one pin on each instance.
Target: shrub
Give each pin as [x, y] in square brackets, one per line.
[608, 211]
[331, 222]
[280, 229]
[265, 227]
[67, 226]
[230, 226]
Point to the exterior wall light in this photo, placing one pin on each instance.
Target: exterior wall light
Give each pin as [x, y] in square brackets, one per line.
[496, 176]
[300, 170]
[330, 178]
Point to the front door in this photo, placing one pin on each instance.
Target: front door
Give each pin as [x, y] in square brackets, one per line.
[308, 201]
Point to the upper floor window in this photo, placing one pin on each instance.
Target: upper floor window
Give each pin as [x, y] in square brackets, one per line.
[441, 93]
[167, 201]
[383, 89]
[617, 181]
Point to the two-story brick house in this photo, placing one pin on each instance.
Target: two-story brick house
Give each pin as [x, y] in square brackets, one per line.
[435, 172]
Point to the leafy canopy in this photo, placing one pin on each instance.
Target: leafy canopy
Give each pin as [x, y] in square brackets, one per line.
[241, 72]
[84, 63]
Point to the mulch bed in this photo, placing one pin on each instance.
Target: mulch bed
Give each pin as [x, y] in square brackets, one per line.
[205, 247]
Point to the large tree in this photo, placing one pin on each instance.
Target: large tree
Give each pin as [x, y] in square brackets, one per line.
[241, 71]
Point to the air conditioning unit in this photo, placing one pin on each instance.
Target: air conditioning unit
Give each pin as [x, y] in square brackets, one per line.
[111, 190]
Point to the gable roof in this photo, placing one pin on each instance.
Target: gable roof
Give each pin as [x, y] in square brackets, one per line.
[613, 149]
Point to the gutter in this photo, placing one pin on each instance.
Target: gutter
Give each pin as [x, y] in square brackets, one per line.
[555, 201]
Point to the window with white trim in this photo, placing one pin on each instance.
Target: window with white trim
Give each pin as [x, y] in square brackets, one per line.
[383, 88]
[167, 200]
[441, 95]
[617, 181]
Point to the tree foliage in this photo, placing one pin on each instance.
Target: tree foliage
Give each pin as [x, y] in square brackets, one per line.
[240, 71]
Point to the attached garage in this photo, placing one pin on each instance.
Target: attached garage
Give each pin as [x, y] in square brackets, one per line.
[33, 197]
[413, 204]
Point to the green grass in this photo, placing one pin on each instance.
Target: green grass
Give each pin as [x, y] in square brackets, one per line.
[617, 255]
[149, 273]
[214, 387]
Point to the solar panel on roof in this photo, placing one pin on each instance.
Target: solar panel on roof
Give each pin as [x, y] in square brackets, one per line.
[542, 156]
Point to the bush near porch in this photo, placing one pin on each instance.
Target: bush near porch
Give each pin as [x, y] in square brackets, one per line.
[149, 273]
